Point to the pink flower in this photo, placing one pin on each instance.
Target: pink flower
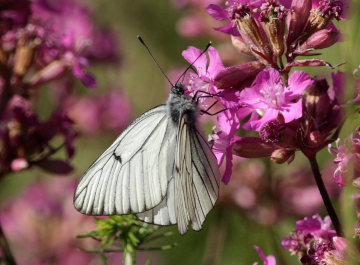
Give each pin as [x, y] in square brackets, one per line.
[268, 97]
[346, 155]
[110, 111]
[268, 260]
[229, 123]
[42, 225]
[312, 240]
[207, 69]
[228, 13]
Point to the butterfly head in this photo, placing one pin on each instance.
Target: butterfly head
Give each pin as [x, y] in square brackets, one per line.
[178, 89]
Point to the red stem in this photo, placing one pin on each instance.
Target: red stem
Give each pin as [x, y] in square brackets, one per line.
[324, 194]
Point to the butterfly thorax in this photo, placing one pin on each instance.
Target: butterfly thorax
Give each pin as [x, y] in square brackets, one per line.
[179, 104]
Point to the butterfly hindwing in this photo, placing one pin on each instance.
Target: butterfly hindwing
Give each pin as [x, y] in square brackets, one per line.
[130, 176]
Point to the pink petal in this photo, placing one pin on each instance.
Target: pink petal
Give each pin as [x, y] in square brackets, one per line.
[339, 80]
[228, 122]
[299, 81]
[217, 12]
[228, 166]
[230, 29]
[298, 18]
[271, 114]
[191, 54]
[215, 65]
[293, 111]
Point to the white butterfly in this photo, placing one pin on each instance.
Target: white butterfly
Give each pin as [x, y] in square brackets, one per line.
[160, 168]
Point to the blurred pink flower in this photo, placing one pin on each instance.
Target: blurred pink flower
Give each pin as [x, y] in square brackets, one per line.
[268, 260]
[312, 239]
[110, 111]
[229, 124]
[42, 225]
[346, 155]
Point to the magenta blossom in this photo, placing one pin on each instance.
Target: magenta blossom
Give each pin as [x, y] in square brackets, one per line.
[229, 123]
[206, 68]
[268, 260]
[228, 13]
[346, 155]
[312, 240]
[270, 98]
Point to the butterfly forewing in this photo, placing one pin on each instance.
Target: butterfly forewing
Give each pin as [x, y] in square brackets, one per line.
[194, 184]
[130, 176]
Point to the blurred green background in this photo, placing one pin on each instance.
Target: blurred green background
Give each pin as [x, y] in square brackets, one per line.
[227, 235]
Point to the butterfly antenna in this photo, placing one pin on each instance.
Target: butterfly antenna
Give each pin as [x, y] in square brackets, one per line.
[152, 56]
[191, 65]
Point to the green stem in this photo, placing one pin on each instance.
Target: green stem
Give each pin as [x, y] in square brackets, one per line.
[129, 255]
[6, 251]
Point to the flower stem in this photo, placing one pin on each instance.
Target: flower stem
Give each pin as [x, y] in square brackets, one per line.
[6, 251]
[129, 255]
[324, 194]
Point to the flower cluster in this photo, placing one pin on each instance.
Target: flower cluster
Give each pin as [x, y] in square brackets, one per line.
[314, 242]
[347, 156]
[260, 28]
[42, 223]
[267, 108]
[44, 43]
[290, 112]
[268, 198]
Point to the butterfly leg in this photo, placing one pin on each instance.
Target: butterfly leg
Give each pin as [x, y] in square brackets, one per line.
[213, 114]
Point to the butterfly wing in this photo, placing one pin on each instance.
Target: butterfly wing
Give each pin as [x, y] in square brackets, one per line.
[194, 185]
[131, 176]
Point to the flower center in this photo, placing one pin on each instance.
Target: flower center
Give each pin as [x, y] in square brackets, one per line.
[272, 9]
[271, 131]
[331, 8]
[273, 96]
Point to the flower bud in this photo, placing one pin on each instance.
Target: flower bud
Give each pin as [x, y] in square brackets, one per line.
[317, 101]
[24, 55]
[50, 72]
[252, 34]
[319, 40]
[19, 164]
[3, 57]
[280, 156]
[320, 17]
[315, 138]
[273, 17]
[300, 10]
[240, 45]
[271, 131]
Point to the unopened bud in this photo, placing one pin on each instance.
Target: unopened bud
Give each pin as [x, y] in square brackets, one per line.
[356, 182]
[271, 132]
[240, 45]
[281, 156]
[52, 71]
[3, 57]
[315, 138]
[19, 164]
[275, 29]
[273, 17]
[252, 34]
[319, 40]
[327, 11]
[24, 55]
[317, 101]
